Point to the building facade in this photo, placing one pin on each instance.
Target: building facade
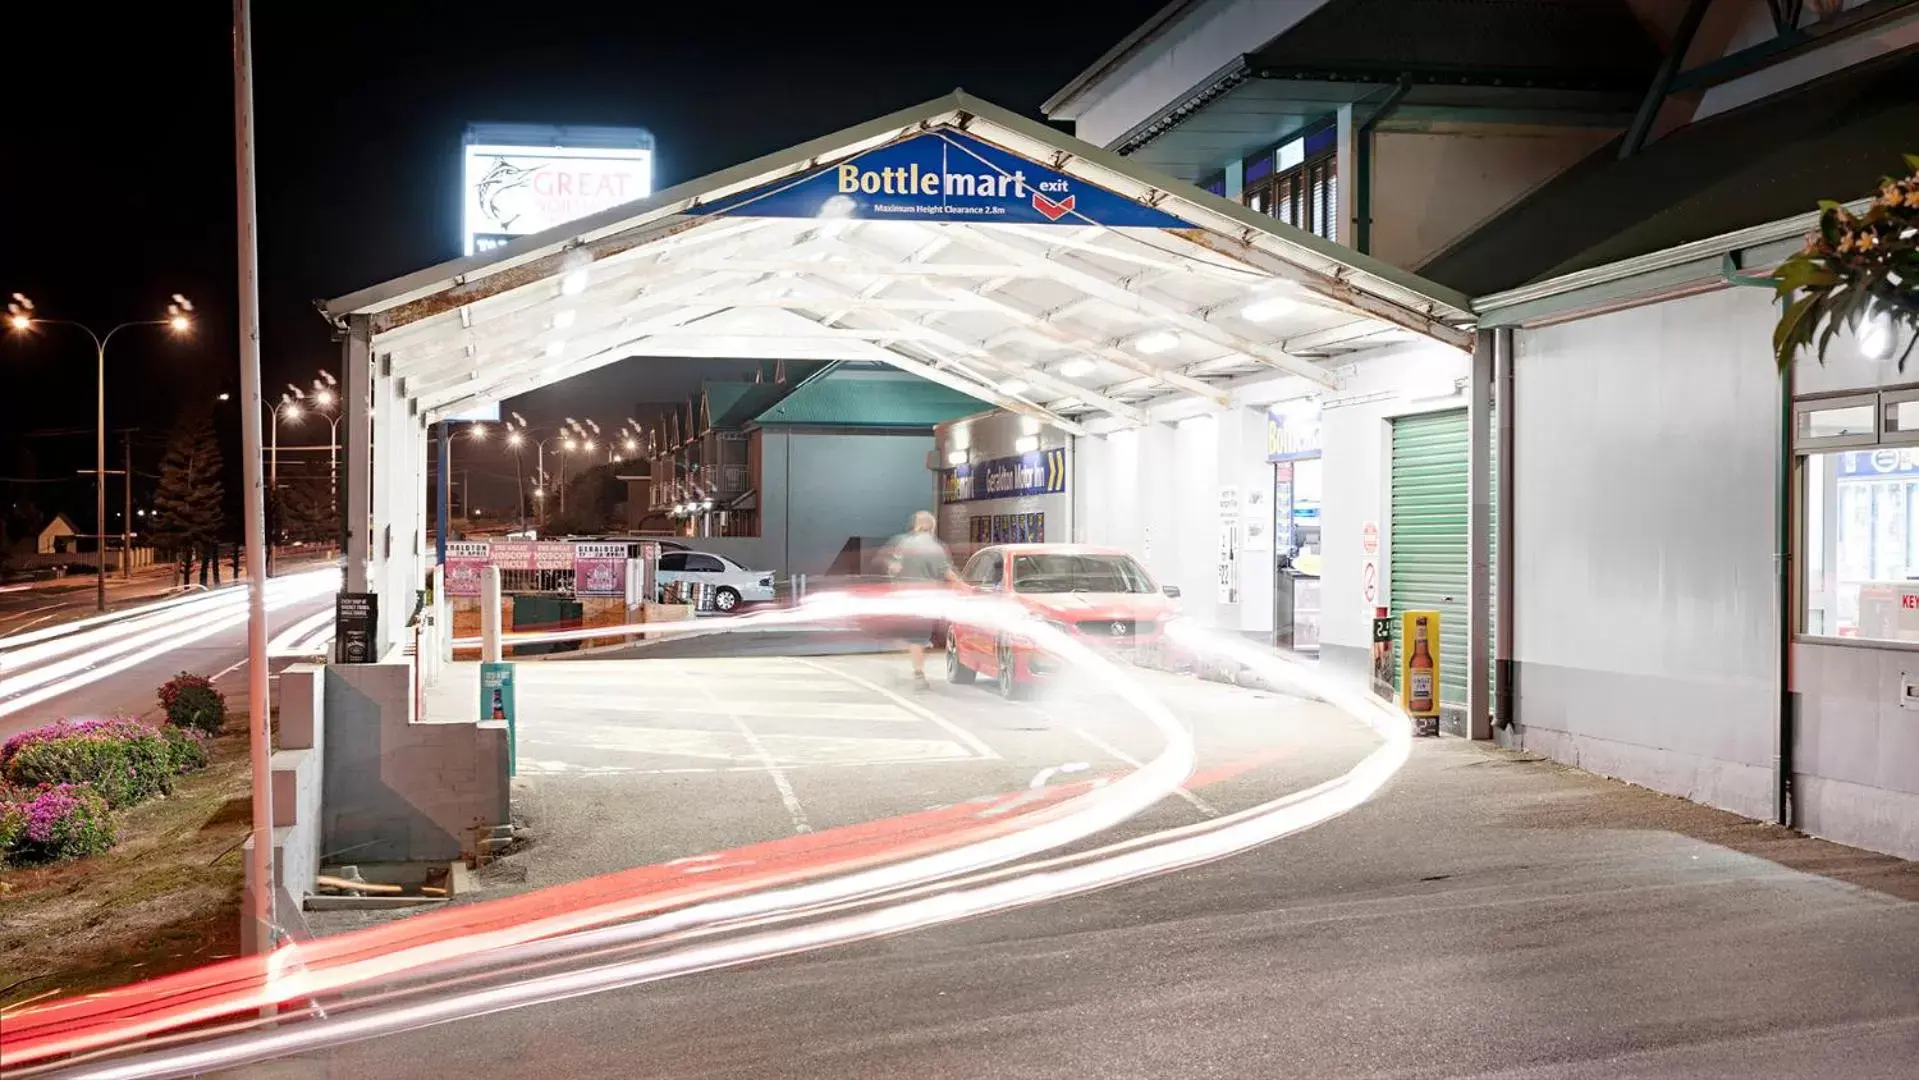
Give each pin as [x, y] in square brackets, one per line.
[1640, 571]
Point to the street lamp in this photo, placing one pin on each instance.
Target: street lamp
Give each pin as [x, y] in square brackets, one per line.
[179, 319]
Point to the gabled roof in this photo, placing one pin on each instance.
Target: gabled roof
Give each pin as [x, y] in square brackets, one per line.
[858, 395]
[1832, 139]
[1037, 272]
[731, 405]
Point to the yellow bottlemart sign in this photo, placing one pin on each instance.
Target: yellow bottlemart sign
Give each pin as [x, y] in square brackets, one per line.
[1419, 663]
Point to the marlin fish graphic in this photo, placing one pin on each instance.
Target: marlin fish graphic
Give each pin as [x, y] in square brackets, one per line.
[501, 178]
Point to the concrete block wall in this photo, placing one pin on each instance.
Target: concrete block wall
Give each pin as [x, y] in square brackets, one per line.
[298, 762]
[399, 789]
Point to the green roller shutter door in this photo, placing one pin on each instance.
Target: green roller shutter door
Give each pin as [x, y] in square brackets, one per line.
[1429, 557]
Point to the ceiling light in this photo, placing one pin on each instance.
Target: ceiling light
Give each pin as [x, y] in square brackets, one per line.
[956, 457]
[555, 348]
[563, 319]
[1026, 444]
[1073, 369]
[1029, 425]
[574, 283]
[1013, 386]
[1155, 341]
[1268, 308]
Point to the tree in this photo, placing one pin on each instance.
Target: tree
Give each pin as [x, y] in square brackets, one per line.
[591, 498]
[188, 502]
[1855, 271]
[306, 510]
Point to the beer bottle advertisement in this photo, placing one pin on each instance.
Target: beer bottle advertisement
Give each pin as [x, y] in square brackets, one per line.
[1419, 679]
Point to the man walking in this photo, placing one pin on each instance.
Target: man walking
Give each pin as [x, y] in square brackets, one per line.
[918, 559]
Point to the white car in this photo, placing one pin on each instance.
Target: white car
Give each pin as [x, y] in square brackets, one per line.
[734, 584]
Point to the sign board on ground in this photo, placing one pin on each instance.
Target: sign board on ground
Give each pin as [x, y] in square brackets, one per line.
[356, 627]
[496, 705]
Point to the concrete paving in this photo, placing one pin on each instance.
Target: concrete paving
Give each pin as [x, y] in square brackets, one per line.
[1487, 915]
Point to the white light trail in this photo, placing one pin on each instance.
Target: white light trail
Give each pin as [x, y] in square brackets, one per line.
[53, 664]
[915, 900]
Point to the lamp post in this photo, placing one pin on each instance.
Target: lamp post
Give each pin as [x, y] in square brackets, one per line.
[515, 438]
[21, 318]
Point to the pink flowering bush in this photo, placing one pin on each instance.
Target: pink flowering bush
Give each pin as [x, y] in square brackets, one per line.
[54, 823]
[192, 702]
[126, 761]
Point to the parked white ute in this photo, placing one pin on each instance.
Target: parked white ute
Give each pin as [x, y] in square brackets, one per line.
[733, 584]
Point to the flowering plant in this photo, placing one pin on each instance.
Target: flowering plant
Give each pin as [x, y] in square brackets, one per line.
[1854, 268]
[191, 702]
[55, 822]
[123, 760]
[13, 825]
[107, 726]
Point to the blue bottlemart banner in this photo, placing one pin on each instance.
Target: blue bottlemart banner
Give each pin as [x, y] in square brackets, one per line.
[1042, 472]
[942, 175]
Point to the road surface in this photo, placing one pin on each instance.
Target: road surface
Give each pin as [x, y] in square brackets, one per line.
[1487, 915]
[99, 665]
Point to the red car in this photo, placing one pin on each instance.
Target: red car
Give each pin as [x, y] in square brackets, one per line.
[1098, 594]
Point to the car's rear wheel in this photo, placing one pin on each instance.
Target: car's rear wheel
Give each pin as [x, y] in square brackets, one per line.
[956, 672]
[726, 598]
[1010, 687]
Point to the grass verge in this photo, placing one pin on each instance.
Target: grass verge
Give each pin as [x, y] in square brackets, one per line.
[166, 898]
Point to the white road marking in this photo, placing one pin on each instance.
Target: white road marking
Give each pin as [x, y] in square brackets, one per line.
[289, 642]
[230, 669]
[1115, 752]
[1040, 778]
[785, 708]
[784, 784]
[908, 704]
[781, 749]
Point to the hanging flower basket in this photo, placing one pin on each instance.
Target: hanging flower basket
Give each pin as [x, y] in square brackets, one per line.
[1857, 270]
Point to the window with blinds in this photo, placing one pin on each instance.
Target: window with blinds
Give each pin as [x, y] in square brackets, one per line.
[1298, 183]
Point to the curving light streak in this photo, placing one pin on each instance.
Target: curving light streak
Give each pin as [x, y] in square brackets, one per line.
[1100, 808]
[921, 907]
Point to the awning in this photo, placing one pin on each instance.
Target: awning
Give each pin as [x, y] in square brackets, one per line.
[956, 240]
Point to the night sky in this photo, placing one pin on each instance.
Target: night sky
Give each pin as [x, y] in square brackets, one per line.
[117, 185]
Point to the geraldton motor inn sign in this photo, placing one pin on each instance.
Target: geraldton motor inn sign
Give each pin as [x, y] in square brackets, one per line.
[1042, 472]
[942, 175]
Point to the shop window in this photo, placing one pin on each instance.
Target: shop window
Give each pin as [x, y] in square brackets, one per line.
[1858, 551]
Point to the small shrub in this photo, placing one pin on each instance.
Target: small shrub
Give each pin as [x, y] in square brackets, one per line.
[13, 825]
[187, 749]
[123, 760]
[61, 821]
[191, 702]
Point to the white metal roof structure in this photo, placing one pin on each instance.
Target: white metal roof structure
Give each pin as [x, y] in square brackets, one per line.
[956, 240]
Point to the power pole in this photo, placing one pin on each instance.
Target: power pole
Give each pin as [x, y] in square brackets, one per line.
[126, 526]
[260, 928]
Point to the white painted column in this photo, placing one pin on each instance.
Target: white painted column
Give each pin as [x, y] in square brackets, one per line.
[490, 611]
[356, 385]
[1240, 446]
[1347, 150]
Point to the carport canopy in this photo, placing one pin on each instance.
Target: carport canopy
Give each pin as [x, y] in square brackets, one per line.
[955, 240]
